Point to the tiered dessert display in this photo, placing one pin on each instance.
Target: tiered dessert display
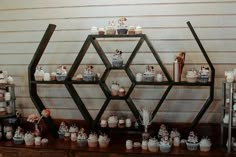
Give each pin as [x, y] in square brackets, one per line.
[7, 106]
[228, 111]
[113, 120]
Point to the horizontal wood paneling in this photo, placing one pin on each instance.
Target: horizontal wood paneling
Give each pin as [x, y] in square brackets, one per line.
[73, 3]
[114, 11]
[166, 22]
[153, 34]
[22, 25]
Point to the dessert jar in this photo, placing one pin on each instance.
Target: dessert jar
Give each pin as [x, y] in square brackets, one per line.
[37, 141]
[131, 30]
[128, 123]
[129, 144]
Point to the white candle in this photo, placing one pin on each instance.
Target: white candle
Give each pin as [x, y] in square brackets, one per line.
[145, 117]
[176, 71]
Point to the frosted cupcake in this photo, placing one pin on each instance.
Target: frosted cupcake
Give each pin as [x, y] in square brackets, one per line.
[117, 60]
[203, 75]
[18, 137]
[121, 91]
[53, 76]
[73, 129]
[175, 137]
[138, 30]
[115, 88]
[103, 141]
[29, 139]
[82, 138]
[165, 144]
[61, 73]
[112, 121]
[192, 142]
[163, 131]
[88, 74]
[122, 27]
[111, 28]
[153, 145]
[92, 140]
[205, 144]
[38, 74]
[62, 130]
[103, 123]
[148, 75]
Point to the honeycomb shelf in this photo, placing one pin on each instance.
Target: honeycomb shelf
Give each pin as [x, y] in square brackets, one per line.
[92, 40]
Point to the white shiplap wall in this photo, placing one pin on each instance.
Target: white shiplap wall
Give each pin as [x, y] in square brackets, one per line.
[23, 23]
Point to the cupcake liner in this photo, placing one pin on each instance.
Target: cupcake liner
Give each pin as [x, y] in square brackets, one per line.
[192, 146]
[165, 148]
[92, 144]
[117, 63]
[205, 148]
[18, 140]
[82, 142]
[148, 78]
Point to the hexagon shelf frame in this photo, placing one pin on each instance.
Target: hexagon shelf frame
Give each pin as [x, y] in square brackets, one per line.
[92, 39]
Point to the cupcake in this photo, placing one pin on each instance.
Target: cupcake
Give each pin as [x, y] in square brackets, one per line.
[44, 141]
[162, 131]
[136, 145]
[101, 31]
[103, 141]
[121, 92]
[94, 30]
[192, 142]
[138, 30]
[73, 136]
[115, 88]
[61, 73]
[117, 60]
[39, 74]
[121, 123]
[37, 140]
[131, 30]
[153, 145]
[144, 145]
[92, 140]
[62, 130]
[10, 80]
[183, 143]
[205, 144]
[88, 74]
[82, 138]
[122, 27]
[79, 77]
[67, 136]
[29, 139]
[129, 144]
[53, 76]
[148, 75]
[191, 76]
[73, 129]
[165, 144]
[203, 75]
[18, 137]
[111, 28]
[112, 121]
[175, 137]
